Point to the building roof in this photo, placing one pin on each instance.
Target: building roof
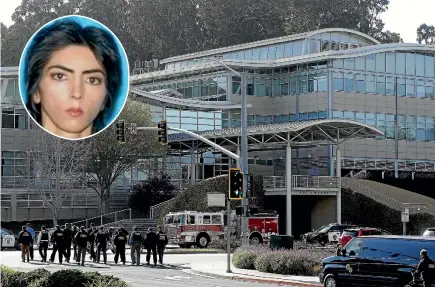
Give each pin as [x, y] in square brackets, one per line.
[302, 133]
[307, 58]
[266, 42]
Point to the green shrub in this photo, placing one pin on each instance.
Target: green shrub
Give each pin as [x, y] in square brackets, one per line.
[244, 257]
[66, 278]
[221, 244]
[262, 262]
[11, 278]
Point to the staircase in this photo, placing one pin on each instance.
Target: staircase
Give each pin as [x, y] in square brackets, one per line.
[393, 197]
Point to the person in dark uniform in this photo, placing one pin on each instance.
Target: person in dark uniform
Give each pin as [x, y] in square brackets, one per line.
[81, 240]
[151, 245]
[92, 232]
[162, 241]
[32, 232]
[58, 240]
[43, 240]
[119, 241]
[68, 238]
[74, 232]
[25, 240]
[425, 268]
[136, 242]
[101, 242]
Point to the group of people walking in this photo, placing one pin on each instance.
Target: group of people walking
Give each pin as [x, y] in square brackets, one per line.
[95, 241]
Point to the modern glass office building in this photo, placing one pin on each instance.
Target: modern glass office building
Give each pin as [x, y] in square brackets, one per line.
[325, 74]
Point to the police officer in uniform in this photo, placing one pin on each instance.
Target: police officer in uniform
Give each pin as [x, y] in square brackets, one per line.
[425, 268]
[43, 240]
[68, 237]
[74, 232]
[151, 245]
[119, 241]
[136, 242]
[32, 232]
[25, 240]
[81, 240]
[58, 240]
[162, 241]
[101, 242]
[92, 232]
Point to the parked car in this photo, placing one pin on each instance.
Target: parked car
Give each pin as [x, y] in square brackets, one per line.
[321, 235]
[429, 232]
[8, 239]
[348, 234]
[378, 260]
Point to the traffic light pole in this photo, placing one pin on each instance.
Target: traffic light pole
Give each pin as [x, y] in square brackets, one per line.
[201, 138]
[244, 159]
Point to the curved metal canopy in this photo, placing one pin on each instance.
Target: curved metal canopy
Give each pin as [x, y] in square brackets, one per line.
[302, 133]
[172, 99]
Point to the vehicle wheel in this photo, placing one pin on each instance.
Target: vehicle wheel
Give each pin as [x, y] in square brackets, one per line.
[255, 239]
[330, 281]
[202, 241]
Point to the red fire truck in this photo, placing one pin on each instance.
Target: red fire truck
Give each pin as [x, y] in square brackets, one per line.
[188, 228]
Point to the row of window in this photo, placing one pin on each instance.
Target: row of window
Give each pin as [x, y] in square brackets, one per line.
[256, 120]
[412, 128]
[13, 163]
[415, 64]
[14, 118]
[371, 84]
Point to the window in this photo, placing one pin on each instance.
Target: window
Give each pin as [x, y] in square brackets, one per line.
[264, 53]
[268, 87]
[360, 64]
[349, 64]
[429, 89]
[337, 114]
[322, 83]
[380, 85]
[256, 54]
[400, 63]
[420, 89]
[429, 63]
[380, 62]
[370, 63]
[216, 219]
[293, 86]
[370, 84]
[391, 63]
[390, 86]
[276, 87]
[280, 51]
[288, 50]
[338, 82]
[323, 114]
[360, 84]
[410, 64]
[419, 64]
[303, 84]
[8, 118]
[410, 88]
[338, 64]
[349, 83]
[206, 219]
[260, 88]
[401, 88]
[190, 219]
[353, 248]
[312, 83]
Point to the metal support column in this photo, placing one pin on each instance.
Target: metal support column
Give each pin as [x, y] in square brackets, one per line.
[244, 159]
[338, 163]
[288, 185]
[238, 161]
[192, 168]
[396, 131]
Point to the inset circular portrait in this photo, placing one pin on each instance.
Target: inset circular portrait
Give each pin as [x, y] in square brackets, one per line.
[74, 77]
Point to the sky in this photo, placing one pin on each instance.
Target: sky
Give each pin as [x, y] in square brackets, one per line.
[403, 16]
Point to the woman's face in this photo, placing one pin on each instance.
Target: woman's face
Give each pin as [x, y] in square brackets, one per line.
[72, 92]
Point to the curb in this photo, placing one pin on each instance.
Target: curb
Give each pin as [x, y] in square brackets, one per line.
[258, 280]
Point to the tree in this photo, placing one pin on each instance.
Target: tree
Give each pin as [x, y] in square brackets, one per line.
[390, 37]
[150, 192]
[108, 159]
[56, 167]
[426, 34]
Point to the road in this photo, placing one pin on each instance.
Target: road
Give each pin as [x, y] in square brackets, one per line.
[176, 273]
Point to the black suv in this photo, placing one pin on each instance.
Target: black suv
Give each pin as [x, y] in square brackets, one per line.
[321, 235]
[384, 260]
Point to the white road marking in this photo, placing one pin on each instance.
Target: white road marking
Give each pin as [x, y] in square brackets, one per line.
[177, 278]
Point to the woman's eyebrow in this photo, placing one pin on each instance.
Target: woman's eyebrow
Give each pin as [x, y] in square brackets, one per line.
[72, 71]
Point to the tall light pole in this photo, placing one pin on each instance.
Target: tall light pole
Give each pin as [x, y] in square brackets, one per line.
[244, 147]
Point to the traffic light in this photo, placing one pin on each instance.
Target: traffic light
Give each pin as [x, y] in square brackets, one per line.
[120, 131]
[163, 132]
[235, 184]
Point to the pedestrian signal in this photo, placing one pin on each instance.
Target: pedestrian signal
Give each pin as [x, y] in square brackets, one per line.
[120, 131]
[163, 132]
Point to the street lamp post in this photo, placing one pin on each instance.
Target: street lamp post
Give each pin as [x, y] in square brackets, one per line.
[244, 147]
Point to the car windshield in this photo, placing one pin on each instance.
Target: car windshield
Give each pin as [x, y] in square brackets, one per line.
[323, 229]
[429, 233]
[349, 233]
[5, 232]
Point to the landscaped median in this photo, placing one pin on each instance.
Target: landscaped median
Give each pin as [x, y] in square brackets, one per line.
[300, 261]
[65, 278]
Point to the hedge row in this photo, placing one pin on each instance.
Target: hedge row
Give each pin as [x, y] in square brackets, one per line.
[301, 261]
[64, 278]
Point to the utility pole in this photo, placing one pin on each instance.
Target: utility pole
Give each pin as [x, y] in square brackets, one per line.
[244, 159]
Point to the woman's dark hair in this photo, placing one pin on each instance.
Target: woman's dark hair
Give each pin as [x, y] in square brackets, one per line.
[64, 33]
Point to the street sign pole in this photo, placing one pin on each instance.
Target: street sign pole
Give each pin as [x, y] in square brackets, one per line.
[244, 159]
[228, 236]
[405, 219]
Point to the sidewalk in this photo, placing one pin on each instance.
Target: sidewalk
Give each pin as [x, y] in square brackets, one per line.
[217, 268]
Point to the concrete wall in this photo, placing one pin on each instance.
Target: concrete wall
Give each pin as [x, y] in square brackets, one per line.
[324, 211]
